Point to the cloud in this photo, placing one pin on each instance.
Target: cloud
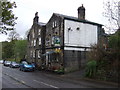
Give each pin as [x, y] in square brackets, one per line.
[26, 9]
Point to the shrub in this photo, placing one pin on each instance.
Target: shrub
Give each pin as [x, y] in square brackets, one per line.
[91, 68]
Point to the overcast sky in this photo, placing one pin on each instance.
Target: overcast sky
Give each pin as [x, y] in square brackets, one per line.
[26, 9]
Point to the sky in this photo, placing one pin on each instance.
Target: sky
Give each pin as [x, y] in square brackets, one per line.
[26, 9]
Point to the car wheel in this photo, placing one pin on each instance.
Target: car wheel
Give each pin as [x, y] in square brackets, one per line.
[20, 69]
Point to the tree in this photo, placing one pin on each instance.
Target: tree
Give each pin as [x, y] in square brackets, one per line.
[114, 41]
[20, 49]
[7, 18]
[111, 9]
[7, 49]
[13, 35]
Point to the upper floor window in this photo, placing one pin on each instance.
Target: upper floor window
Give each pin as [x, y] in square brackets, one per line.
[38, 53]
[33, 34]
[39, 40]
[54, 24]
[33, 54]
[39, 31]
[34, 42]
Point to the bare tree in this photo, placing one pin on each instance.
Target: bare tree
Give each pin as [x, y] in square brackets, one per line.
[13, 35]
[111, 12]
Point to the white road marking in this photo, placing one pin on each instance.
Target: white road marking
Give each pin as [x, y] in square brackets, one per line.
[45, 84]
[22, 82]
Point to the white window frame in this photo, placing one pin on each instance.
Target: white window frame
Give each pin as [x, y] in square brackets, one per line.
[38, 53]
[53, 24]
[39, 31]
[39, 40]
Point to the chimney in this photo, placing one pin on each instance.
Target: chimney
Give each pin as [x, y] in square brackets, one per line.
[36, 18]
[81, 12]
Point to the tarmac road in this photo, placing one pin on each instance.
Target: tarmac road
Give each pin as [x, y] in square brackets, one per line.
[14, 78]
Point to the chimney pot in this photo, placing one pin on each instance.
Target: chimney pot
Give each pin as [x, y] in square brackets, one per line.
[81, 12]
[36, 18]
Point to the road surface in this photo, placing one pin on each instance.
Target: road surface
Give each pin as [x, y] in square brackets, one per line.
[14, 78]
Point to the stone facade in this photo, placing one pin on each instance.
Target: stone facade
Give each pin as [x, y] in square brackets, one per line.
[36, 42]
[65, 41]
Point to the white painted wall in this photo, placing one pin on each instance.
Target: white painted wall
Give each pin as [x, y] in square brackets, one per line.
[84, 37]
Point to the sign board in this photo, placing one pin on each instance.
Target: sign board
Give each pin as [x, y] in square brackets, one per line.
[56, 41]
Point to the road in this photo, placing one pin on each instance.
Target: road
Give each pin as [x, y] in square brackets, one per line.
[14, 78]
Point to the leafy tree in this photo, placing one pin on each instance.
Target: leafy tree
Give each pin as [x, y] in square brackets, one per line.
[20, 49]
[7, 18]
[7, 49]
[114, 40]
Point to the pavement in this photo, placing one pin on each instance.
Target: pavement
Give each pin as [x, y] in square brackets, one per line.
[78, 77]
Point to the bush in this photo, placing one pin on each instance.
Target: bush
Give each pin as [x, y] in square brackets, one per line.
[91, 68]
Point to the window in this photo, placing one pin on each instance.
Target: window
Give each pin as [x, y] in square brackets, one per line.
[38, 53]
[39, 31]
[34, 42]
[33, 54]
[39, 40]
[33, 34]
[53, 24]
[28, 37]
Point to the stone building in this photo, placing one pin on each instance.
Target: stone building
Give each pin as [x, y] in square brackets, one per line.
[36, 42]
[67, 40]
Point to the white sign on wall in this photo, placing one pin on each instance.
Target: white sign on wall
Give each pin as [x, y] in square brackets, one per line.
[79, 34]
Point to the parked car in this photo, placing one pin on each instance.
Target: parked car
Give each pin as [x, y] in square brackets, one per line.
[7, 63]
[14, 64]
[1, 61]
[25, 66]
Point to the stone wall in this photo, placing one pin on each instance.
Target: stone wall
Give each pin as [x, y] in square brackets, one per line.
[74, 60]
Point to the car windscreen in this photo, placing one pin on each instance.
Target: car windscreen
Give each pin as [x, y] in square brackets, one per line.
[14, 63]
[8, 61]
[24, 62]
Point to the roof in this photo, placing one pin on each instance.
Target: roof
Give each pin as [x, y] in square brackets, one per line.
[76, 19]
[41, 23]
